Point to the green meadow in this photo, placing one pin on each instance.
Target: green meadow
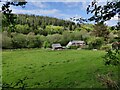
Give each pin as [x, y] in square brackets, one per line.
[40, 68]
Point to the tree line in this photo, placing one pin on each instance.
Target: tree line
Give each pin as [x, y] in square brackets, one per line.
[33, 23]
[32, 31]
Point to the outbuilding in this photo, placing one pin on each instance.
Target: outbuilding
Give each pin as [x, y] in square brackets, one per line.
[57, 46]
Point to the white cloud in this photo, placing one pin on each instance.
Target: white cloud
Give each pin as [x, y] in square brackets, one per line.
[60, 0]
[56, 0]
[115, 17]
[66, 0]
[39, 4]
[37, 11]
[111, 22]
[54, 13]
[71, 4]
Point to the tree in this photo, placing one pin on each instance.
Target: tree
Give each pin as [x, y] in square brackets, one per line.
[95, 42]
[8, 17]
[100, 30]
[102, 14]
[105, 12]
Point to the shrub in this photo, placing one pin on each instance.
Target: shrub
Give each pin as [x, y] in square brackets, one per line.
[66, 37]
[107, 81]
[95, 42]
[0, 40]
[30, 40]
[85, 47]
[38, 41]
[19, 41]
[46, 44]
[73, 47]
[22, 29]
[55, 38]
[112, 57]
[6, 41]
[106, 47]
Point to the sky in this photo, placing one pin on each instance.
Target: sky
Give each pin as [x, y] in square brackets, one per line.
[62, 9]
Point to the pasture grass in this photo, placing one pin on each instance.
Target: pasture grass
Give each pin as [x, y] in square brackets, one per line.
[55, 69]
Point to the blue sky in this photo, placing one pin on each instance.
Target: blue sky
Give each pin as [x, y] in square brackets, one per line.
[59, 9]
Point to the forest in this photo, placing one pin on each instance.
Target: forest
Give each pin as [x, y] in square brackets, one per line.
[31, 31]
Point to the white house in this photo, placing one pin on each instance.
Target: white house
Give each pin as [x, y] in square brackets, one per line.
[76, 43]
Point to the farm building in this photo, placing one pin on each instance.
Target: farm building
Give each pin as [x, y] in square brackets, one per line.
[76, 43]
[56, 46]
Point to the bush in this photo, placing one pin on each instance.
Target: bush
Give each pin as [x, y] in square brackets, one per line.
[46, 44]
[112, 57]
[106, 47]
[55, 38]
[6, 41]
[86, 47]
[38, 41]
[19, 41]
[34, 41]
[66, 37]
[73, 47]
[95, 42]
[22, 29]
[0, 40]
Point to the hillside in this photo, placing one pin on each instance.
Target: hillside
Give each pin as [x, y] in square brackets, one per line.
[39, 24]
[30, 31]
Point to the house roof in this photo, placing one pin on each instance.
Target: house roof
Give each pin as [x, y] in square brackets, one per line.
[56, 45]
[77, 41]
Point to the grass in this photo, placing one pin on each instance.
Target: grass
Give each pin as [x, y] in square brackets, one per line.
[55, 69]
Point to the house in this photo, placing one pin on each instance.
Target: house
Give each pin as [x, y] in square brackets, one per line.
[76, 43]
[56, 46]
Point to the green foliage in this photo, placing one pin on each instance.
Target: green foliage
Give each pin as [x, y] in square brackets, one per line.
[54, 29]
[67, 36]
[22, 29]
[108, 82]
[46, 44]
[31, 40]
[100, 30]
[41, 31]
[6, 41]
[95, 42]
[55, 38]
[38, 41]
[112, 57]
[87, 27]
[73, 47]
[0, 40]
[9, 19]
[19, 41]
[106, 47]
[77, 35]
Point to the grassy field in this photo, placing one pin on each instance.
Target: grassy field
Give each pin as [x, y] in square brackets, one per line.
[54, 69]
